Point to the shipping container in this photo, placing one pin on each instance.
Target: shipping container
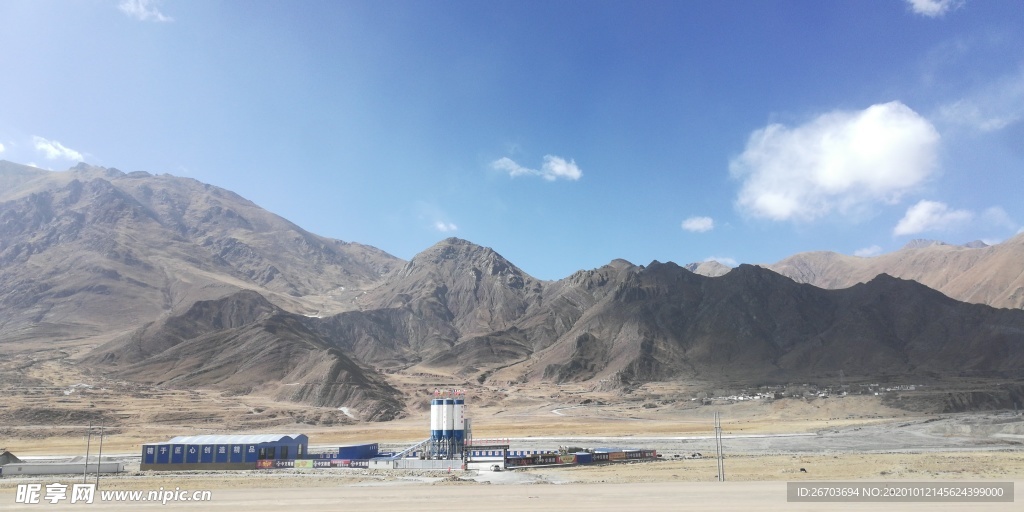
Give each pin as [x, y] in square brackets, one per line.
[584, 458]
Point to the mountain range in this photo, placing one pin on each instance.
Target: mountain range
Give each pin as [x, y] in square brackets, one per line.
[93, 252]
[975, 272]
[167, 281]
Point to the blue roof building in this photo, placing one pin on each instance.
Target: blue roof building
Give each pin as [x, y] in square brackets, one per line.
[224, 451]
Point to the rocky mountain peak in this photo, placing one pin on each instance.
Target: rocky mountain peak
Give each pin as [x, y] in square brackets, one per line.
[710, 268]
[619, 263]
[921, 243]
[96, 171]
[458, 250]
[455, 255]
[235, 310]
[455, 279]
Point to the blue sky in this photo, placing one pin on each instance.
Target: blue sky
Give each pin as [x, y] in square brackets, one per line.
[562, 134]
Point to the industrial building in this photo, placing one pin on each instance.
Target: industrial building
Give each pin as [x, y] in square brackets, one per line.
[223, 451]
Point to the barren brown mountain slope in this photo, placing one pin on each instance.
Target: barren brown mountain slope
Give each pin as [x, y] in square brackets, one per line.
[617, 326]
[625, 324]
[992, 275]
[243, 344]
[664, 323]
[92, 252]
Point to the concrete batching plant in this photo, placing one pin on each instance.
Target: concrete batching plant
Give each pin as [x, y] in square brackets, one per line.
[447, 425]
[450, 446]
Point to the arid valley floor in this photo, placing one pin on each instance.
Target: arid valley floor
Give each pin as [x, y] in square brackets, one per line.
[767, 443]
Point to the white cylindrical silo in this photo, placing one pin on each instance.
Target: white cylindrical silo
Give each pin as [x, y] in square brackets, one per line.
[436, 422]
[449, 418]
[460, 419]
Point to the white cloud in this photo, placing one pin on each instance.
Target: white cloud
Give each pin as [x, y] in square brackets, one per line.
[840, 161]
[553, 168]
[430, 215]
[934, 8]
[699, 224]
[991, 108]
[445, 227]
[729, 262]
[143, 10]
[996, 216]
[508, 165]
[53, 150]
[1, 148]
[931, 216]
[868, 252]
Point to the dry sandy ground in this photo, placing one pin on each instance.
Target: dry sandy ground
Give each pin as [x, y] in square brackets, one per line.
[448, 495]
[755, 482]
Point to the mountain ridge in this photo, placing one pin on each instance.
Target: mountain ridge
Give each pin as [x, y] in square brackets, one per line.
[140, 246]
[991, 275]
[172, 282]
